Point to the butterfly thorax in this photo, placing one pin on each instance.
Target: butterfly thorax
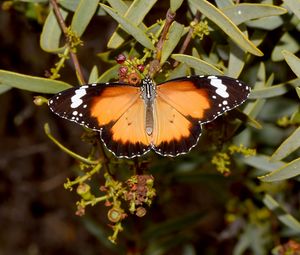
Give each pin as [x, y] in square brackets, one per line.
[148, 94]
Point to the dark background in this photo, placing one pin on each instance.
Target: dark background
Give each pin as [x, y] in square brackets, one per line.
[37, 215]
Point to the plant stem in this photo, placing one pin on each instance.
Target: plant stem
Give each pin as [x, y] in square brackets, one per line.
[188, 37]
[64, 28]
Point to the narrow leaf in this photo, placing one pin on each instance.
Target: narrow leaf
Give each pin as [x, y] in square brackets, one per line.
[286, 42]
[93, 75]
[111, 73]
[275, 90]
[83, 15]
[51, 33]
[294, 6]
[119, 5]
[267, 23]
[135, 14]
[262, 162]
[240, 13]
[175, 4]
[286, 218]
[180, 71]
[291, 144]
[292, 60]
[200, 66]
[287, 171]
[298, 92]
[173, 38]
[130, 28]
[4, 88]
[70, 5]
[31, 83]
[236, 61]
[228, 27]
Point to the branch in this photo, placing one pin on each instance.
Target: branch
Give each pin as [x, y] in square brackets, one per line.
[64, 28]
[155, 64]
[188, 37]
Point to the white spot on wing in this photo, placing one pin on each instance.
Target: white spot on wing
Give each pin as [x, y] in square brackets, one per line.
[221, 88]
[76, 99]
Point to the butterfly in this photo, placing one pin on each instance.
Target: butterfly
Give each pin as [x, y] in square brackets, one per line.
[165, 118]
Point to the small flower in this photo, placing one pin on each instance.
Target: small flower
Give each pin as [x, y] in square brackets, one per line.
[140, 211]
[120, 58]
[134, 79]
[141, 68]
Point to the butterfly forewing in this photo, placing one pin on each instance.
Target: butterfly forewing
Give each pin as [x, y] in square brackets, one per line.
[204, 97]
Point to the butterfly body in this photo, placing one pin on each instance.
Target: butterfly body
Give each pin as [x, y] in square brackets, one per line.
[166, 118]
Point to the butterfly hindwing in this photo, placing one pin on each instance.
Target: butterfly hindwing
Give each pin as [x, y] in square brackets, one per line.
[126, 137]
[173, 133]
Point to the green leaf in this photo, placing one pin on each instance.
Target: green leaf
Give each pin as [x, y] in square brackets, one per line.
[228, 27]
[4, 88]
[71, 5]
[293, 6]
[130, 28]
[240, 13]
[51, 33]
[179, 71]
[254, 239]
[263, 163]
[175, 4]
[293, 61]
[275, 90]
[291, 144]
[83, 15]
[111, 73]
[287, 171]
[286, 218]
[200, 66]
[93, 75]
[268, 23]
[236, 61]
[254, 108]
[224, 3]
[173, 38]
[119, 5]
[286, 42]
[31, 83]
[134, 15]
[298, 92]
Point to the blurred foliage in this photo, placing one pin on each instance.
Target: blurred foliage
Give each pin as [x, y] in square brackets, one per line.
[197, 210]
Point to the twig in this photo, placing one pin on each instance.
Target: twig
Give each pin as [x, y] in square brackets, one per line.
[170, 16]
[188, 37]
[155, 64]
[64, 28]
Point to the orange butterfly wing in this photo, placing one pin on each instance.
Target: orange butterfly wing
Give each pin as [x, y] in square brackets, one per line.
[116, 110]
[178, 108]
[183, 104]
